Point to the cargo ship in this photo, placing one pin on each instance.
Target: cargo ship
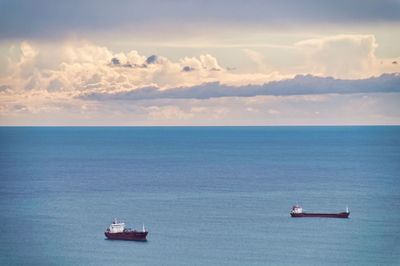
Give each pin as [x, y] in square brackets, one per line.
[119, 232]
[297, 211]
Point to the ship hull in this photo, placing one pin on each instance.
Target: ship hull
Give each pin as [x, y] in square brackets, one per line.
[326, 215]
[133, 236]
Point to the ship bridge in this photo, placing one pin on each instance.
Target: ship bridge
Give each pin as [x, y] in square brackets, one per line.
[116, 227]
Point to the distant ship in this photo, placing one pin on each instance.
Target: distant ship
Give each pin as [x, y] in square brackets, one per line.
[118, 231]
[297, 211]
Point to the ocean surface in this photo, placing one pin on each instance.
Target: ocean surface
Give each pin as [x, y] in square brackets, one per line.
[207, 195]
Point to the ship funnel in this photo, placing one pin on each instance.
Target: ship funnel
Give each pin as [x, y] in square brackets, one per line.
[347, 209]
[144, 229]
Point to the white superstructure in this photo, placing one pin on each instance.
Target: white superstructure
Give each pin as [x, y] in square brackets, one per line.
[116, 227]
[297, 209]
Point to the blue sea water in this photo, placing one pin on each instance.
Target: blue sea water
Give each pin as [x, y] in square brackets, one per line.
[207, 195]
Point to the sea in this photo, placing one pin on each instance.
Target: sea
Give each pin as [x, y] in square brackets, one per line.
[206, 195]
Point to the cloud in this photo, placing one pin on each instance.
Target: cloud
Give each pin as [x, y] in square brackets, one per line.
[28, 51]
[22, 21]
[168, 113]
[80, 66]
[344, 56]
[151, 59]
[209, 62]
[273, 112]
[300, 85]
[115, 61]
[188, 69]
[257, 58]
[4, 88]
[19, 107]
[70, 67]
[80, 78]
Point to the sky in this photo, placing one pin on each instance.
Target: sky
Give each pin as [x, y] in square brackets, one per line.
[199, 63]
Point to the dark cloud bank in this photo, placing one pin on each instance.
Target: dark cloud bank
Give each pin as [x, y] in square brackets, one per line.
[300, 85]
[44, 18]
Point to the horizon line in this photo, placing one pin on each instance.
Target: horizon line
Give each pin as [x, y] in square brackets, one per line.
[355, 125]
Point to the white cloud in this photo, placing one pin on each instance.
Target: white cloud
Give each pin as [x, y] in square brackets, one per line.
[61, 72]
[79, 80]
[258, 59]
[344, 56]
[273, 112]
[28, 51]
[209, 62]
[168, 113]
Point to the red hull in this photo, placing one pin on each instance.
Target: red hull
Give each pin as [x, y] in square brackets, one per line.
[132, 235]
[328, 215]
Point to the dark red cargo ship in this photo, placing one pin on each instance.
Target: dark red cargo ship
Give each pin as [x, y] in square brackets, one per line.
[119, 232]
[297, 211]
